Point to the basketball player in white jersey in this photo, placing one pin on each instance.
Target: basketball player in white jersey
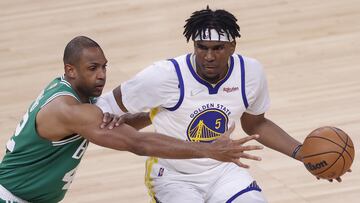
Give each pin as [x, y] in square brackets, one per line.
[194, 97]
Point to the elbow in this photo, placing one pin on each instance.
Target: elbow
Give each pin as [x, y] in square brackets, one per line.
[252, 124]
[249, 130]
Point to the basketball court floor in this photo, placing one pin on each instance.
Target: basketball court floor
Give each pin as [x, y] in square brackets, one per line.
[309, 49]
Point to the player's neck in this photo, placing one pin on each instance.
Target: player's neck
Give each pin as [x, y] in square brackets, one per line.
[83, 98]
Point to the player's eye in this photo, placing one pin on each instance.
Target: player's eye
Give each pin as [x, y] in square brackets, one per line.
[218, 48]
[202, 47]
[92, 68]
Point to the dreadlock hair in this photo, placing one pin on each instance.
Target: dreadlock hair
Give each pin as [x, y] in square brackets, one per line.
[74, 48]
[220, 20]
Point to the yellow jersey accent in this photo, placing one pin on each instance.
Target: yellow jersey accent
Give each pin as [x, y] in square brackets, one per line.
[153, 113]
[148, 165]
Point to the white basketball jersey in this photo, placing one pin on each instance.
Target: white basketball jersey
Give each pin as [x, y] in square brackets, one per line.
[204, 111]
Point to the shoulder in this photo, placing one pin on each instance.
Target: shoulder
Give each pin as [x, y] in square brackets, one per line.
[252, 64]
[168, 66]
[60, 108]
[165, 67]
[254, 71]
[56, 119]
[159, 73]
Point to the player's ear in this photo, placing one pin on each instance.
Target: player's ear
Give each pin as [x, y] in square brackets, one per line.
[232, 47]
[70, 70]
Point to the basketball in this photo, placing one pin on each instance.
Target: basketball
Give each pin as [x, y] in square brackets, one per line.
[328, 152]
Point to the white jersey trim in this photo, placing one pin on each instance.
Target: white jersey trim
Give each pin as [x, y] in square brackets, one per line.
[64, 93]
[63, 81]
[66, 141]
[9, 197]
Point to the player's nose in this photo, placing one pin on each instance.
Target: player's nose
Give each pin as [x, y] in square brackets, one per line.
[209, 56]
[101, 74]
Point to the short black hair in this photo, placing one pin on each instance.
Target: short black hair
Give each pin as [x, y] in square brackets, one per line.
[220, 20]
[74, 48]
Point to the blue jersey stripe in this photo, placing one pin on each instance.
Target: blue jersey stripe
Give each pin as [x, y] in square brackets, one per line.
[252, 186]
[242, 67]
[181, 85]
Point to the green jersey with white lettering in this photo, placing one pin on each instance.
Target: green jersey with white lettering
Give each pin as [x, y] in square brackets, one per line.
[36, 169]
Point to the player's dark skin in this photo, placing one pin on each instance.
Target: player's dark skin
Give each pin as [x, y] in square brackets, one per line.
[211, 58]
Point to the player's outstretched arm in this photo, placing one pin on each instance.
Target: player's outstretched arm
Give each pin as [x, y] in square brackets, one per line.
[85, 119]
[126, 138]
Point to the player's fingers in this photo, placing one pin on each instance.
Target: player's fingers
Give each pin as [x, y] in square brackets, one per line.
[115, 122]
[120, 120]
[238, 162]
[247, 139]
[112, 124]
[248, 156]
[106, 118]
[230, 130]
[250, 148]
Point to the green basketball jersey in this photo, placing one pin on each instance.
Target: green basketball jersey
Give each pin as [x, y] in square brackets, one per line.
[36, 169]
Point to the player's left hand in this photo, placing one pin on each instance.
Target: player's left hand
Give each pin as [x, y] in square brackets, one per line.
[111, 120]
[338, 179]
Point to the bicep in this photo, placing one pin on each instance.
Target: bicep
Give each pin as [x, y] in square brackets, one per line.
[86, 120]
[250, 122]
[65, 115]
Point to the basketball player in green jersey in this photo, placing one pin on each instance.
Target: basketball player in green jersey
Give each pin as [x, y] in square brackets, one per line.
[43, 154]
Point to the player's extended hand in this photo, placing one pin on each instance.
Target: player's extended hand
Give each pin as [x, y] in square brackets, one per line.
[338, 179]
[228, 150]
[111, 121]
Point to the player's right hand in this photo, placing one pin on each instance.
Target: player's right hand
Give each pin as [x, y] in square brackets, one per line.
[338, 179]
[111, 121]
[228, 150]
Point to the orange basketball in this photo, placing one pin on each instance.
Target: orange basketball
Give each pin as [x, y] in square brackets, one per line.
[328, 152]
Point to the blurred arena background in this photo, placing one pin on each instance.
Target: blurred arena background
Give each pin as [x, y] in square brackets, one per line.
[310, 51]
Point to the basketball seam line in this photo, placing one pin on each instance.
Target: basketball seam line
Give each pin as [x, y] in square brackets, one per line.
[346, 142]
[331, 165]
[321, 154]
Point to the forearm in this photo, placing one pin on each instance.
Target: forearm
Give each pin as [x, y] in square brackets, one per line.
[272, 136]
[126, 138]
[139, 120]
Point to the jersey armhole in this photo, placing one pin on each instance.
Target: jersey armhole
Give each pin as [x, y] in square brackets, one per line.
[58, 94]
[243, 92]
[181, 85]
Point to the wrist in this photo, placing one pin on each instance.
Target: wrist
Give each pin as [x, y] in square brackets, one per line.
[204, 150]
[296, 154]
